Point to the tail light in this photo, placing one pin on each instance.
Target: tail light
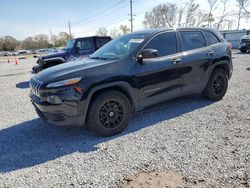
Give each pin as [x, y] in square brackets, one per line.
[229, 45]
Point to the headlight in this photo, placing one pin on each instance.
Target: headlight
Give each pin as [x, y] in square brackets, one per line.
[64, 82]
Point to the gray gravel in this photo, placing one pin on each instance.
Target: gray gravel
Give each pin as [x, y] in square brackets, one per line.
[203, 141]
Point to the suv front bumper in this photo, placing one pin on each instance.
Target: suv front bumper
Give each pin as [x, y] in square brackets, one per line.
[68, 113]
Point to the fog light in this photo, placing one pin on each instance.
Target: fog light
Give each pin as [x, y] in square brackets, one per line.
[54, 99]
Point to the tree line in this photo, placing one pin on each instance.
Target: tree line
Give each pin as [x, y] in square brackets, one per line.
[190, 14]
[9, 43]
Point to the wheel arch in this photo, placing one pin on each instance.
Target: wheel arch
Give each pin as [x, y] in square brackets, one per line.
[121, 86]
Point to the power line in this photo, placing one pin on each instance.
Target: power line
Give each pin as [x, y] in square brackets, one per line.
[122, 18]
[98, 13]
[92, 16]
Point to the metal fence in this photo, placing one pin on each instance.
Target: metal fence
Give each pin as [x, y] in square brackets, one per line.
[234, 36]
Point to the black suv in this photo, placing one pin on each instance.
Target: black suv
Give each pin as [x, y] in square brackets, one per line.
[75, 48]
[130, 73]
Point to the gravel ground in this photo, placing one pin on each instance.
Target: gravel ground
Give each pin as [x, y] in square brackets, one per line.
[204, 142]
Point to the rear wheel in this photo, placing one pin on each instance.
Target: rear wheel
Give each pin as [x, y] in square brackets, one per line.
[243, 51]
[217, 85]
[109, 113]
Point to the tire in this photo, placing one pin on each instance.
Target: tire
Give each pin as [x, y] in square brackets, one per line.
[243, 51]
[109, 113]
[217, 85]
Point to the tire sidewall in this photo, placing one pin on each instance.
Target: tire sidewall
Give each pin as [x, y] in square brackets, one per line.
[210, 90]
[93, 117]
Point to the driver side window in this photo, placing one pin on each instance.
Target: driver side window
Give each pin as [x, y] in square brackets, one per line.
[164, 43]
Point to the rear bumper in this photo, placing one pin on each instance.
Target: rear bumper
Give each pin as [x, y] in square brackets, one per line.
[65, 114]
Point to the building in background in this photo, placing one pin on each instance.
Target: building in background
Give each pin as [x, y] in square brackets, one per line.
[234, 36]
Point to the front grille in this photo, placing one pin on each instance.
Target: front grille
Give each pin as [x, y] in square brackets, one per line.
[35, 86]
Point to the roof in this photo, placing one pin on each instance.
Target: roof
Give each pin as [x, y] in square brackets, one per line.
[95, 36]
[148, 31]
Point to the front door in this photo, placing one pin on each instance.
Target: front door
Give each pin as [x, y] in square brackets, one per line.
[158, 78]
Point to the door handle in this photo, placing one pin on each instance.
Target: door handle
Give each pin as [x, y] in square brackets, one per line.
[210, 53]
[177, 60]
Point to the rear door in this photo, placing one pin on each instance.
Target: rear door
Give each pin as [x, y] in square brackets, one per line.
[159, 78]
[196, 59]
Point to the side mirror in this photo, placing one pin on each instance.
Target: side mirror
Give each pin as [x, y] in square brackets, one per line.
[147, 53]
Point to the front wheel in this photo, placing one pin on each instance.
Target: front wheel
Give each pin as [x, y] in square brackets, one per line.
[217, 85]
[109, 113]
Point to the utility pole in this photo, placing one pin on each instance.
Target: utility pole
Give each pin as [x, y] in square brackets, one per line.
[51, 36]
[69, 28]
[131, 15]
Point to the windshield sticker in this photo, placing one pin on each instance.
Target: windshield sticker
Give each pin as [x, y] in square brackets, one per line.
[136, 40]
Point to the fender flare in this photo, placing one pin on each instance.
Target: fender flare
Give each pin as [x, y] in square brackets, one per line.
[213, 67]
[124, 86]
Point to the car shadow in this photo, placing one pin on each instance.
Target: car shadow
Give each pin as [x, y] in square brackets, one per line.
[35, 142]
[248, 68]
[23, 85]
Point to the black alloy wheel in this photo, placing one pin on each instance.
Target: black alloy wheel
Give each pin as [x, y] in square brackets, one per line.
[112, 113]
[109, 113]
[217, 85]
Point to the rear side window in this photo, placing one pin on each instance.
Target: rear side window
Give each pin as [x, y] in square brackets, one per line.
[101, 42]
[211, 38]
[192, 40]
[164, 43]
[85, 44]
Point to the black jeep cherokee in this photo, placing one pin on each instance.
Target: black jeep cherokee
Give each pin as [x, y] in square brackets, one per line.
[132, 72]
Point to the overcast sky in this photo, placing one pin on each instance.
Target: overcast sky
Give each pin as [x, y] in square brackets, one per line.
[24, 18]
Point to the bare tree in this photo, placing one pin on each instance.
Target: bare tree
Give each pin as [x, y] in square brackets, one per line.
[9, 43]
[180, 15]
[240, 10]
[61, 39]
[1, 43]
[223, 15]
[114, 33]
[42, 40]
[162, 16]
[212, 4]
[29, 43]
[201, 19]
[244, 4]
[191, 13]
[102, 31]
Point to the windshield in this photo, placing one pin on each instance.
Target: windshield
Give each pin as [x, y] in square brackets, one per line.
[70, 44]
[120, 47]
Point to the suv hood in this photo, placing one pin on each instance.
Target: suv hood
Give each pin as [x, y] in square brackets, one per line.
[69, 70]
[53, 55]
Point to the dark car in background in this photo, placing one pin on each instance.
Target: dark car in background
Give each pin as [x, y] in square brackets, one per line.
[75, 48]
[244, 44]
[132, 72]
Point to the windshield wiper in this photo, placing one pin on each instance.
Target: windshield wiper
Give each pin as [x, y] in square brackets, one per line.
[101, 58]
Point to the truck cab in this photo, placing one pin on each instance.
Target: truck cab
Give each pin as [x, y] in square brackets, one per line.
[75, 48]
